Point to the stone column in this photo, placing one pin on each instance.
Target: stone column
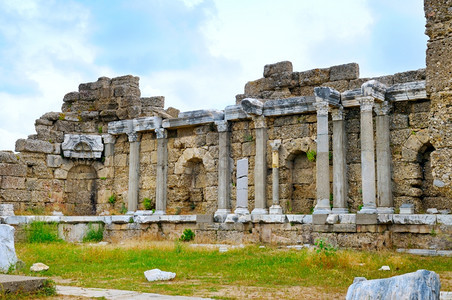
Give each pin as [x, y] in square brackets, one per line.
[322, 160]
[384, 185]
[339, 163]
[134, 171]
[260, 166]
[162, 171]
[275, 209]
[367, 156]
[224, 172]
[109, 142]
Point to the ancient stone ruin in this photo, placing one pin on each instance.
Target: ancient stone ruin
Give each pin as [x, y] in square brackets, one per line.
[299, 155]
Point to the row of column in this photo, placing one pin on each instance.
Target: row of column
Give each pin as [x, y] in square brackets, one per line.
[375, 198]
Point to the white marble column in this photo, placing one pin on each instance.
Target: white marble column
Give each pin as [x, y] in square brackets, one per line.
[134, 171]
[339, 162]
[322, 160]
[367, 156]
[276, 208]
[224, 171]
[162, 171]
[384, 185]
[260, 167]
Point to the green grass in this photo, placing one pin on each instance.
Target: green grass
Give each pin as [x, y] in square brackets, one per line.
[42, 232]
[94, 234]
[201, 272]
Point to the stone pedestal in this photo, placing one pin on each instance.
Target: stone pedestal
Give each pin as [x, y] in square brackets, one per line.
[322, 160]
[275, 209]
[162, 171]
[367, 156]
[134, 171]
[224, 172]
[384, 185]
[339, 163]
[260, 166]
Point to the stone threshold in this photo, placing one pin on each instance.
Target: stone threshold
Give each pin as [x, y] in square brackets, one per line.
[14, 283]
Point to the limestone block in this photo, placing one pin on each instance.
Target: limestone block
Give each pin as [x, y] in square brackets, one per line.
[157, 275]
[122, 219]
[82, 146]
[268, 218]
[8, 256]
[328, 94]
[384, 219]
[6, 210]
[39, 267]
[296, 219]
[407, 208]
[15, 183]
[444, 219]
[439, 64]
[307, 219]
[119, 127]
[406, 91]
[347, 218]
[252, 106]
[8, 157]
[374, 89]
[235, 112]
[191, 118]
[289, 106]
[146, 123]
[344, 72]
[421, 284]
[242, 167]
[415, 219]
[60, 174]
[38, 146]
[332, 219]
[82, 219]
[16, 220]
[54, 161]
[313, 77]
[280, 67]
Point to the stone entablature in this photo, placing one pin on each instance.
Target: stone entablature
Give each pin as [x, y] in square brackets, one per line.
[82, 146]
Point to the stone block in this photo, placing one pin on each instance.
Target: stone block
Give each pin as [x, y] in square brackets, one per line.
[8, 256]
[347, 218]
[332, 219]
[384, 218]
[406, 91]
[319, 219]
[289, 106]
[407, 208]
[444, 219]
[410, 219]
[54, 161]
[296, 219]
[277, 68]
[242, 167]
[82, 146]
[146, 123]
[6, 210]
[313, 77]
[307, 219]
[366, 219]
[252, 106]
[344, 228]
[15, 183]
[344, 72]
[439, 64]
[8, 157]
[322, 228]
[204, 219]
[38, 146]
[17, 220]
[328, 94]
[192, 118]
[268, 218]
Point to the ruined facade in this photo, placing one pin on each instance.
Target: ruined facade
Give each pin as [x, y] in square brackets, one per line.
[322, 142]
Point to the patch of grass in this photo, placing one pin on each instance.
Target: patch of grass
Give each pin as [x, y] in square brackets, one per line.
[42, 232]
[187, 235]
[94, 234]
[112, 199]
[147, 203]
[198, 272]
[311, 155]
[123, 209]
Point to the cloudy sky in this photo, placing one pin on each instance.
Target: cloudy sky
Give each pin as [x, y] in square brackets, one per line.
[196, 53]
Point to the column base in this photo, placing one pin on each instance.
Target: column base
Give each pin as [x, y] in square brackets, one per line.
[340, 210]
[275, 210]
[221, 214]
[241, 211]
[385, 210]
[368, 210]
[259, 211]
[160, 212]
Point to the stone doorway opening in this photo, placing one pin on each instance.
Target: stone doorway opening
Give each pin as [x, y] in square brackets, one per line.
[81, 190]
[195, 181]
[303, 183]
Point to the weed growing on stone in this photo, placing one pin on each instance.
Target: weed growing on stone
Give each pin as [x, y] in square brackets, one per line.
[123, 209]
[311, 155]
[94, 234]
[42, 232]
[187, 236]
[112, 199]
[147, 203]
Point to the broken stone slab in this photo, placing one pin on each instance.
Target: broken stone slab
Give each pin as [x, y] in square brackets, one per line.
[146, 123]
[252, 106]
[16, 220]
[147, 219]
[374, 89]
[37, 146]
[384, 219]
[444, 219]
[122, 219]
[177, 218]
[332, 219]
[120, 127]
[268, 218]
[82, 146]
[289, 106]
[8, 258]
[6, 210]
[407, 208]
[307, 219]
[351, 98]
[421, 284]
[328, 94]
[414, 219]
[407, 91]
[235, 112]
[232, 218]
[192, 118]
[13, 283]
[82, 219]
[39, 267]
[444, 211]
[157, 274]
[432, 211]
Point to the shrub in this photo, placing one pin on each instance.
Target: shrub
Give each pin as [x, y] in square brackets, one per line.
[147, 203]
[323, 248]
[94, 235]
[42, 232]
[112, 199]
[311, 154]
[187, 236]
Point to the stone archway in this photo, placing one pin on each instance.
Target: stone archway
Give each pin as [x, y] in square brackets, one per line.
[81, 190]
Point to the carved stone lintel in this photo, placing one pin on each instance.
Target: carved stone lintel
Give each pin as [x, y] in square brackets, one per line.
[82, 146]
[382, 109]
[252, 106]
[259, 122]
[133, 137]
[222, 126]
[337, 114]
[161, 133]
[321, 107]
[366, 103]
[108, 139]
[275, 145]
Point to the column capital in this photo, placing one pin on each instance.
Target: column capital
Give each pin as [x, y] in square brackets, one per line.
[108, 139]
[321, 107]
[222, 125]
[383, 108]
[133, 137]
[260, 122]
[374, 89]
[161, 133]
[366, 103]
[275, 145]
[337, 114]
